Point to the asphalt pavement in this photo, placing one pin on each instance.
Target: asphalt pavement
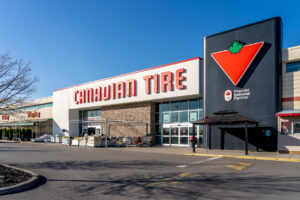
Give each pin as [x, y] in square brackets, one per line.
[145, 173]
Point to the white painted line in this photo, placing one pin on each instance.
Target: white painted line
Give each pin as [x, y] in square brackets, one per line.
[203, 161]
[181, 166]
[198, 162]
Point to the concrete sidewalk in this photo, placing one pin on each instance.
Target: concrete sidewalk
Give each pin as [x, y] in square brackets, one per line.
[275, 156]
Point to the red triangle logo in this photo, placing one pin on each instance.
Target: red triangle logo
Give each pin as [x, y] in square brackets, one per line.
[236, 64]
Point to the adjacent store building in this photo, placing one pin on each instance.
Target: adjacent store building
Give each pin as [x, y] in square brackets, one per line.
[289, 116]
[28, 120]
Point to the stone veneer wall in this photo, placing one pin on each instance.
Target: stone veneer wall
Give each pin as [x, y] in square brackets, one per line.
[144, 112]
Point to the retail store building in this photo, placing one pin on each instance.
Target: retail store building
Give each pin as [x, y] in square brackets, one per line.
[162, 101]
[243, 70]
[29, 119]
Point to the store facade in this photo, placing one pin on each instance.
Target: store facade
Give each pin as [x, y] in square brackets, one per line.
[160, 101]
[244, 70]
[27, 120]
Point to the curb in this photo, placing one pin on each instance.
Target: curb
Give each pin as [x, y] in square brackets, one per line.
[21, 186]
[245, 157]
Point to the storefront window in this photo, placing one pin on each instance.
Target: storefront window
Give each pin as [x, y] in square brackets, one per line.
[193, 116]
[194, 104]
[285, 128]
[296, 127]
[183, 116]
[174, 117]
[183, 105]
[165, 107]
[166, 117]
[174, 106]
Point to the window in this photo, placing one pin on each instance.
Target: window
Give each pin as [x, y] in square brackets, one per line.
[165, 107]
[183, 116]
[285, 128]
[193, 116]
[296, 127]
[174, 116]
[166, 117]
[292, 67]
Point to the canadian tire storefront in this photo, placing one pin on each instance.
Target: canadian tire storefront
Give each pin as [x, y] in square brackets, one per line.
[160, 102]
[241, 74]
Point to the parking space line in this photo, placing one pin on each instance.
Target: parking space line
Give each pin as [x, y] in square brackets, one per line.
[198, 162]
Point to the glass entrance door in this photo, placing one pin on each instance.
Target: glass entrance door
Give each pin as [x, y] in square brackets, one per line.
[175, 135]
[179, 135]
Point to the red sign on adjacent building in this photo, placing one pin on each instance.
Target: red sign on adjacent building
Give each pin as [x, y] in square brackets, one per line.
[34, 114]
[5, 117]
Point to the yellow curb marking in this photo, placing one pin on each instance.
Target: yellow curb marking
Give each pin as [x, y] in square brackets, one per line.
[245, 157]
[239, 168]
[186, 175]
[163, 183]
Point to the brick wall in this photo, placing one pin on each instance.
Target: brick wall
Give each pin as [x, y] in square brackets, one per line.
[144, 112]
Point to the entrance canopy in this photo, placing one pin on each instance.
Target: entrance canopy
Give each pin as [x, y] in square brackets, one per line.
[227, 117]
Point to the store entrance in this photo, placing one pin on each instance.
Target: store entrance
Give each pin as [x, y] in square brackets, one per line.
[179, 135]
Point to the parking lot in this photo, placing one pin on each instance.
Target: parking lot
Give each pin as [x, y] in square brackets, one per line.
[120, 173]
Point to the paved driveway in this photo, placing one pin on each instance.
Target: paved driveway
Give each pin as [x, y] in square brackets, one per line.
[85, 173]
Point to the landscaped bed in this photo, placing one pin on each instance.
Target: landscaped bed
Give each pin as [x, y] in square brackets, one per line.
[10, 176]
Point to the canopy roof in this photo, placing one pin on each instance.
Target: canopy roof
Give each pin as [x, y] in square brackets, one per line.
[289, 113]
[23, 123]
[225, 117]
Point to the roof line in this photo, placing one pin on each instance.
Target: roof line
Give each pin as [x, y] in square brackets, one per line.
[195, 58]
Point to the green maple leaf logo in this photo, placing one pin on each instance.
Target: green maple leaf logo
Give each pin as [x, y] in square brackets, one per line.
[236, 47]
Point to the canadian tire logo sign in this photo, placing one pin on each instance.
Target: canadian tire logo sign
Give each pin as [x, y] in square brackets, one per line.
[228, 95]
[237, 59]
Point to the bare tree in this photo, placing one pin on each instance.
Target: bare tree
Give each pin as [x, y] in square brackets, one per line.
[16, 82]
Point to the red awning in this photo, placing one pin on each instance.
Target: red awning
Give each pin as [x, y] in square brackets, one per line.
[288, 113]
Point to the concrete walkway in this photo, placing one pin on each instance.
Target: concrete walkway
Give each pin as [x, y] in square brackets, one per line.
[222, 153]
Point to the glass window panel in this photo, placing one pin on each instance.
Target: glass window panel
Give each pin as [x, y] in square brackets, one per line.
[174, 116]
[157, 140]
[157, 118]
[194, 104]
[166, 140]
[174, 106]
[183, 116]
[201, 114]
[166, 117]
[292, 67]
[183, 105]
[193, 116]
[184, 131]
[166, 131]
[174, 140]
[286, 128]
[174, 131]
[157, 129]
[190, 131]
[165, 107]
[200, 103]
[184, 140]
[296, 127]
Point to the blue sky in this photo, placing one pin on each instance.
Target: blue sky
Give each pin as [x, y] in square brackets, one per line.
[75, 41]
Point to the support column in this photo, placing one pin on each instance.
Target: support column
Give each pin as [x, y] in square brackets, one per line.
[246, 138]
[194, 143]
